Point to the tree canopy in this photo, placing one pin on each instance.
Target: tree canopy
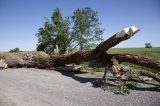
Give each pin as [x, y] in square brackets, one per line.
[148, 45]
[86, 28]
[78, 31]
[53, 34]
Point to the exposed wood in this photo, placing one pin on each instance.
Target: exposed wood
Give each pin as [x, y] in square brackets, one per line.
[125, 34]
[2, 64]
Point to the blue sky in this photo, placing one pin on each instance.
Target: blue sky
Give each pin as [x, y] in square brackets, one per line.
[20, 19]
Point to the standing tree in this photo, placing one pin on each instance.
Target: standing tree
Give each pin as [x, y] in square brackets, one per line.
[82, 29]
[148, 45]
[60, 30]
[45, 38]
[54, 34]
[86, 29]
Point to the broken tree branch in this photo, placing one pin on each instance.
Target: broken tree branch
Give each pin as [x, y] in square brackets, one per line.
[139, 60]
[125, 34]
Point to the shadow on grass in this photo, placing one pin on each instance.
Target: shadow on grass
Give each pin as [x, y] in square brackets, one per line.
[96, 82]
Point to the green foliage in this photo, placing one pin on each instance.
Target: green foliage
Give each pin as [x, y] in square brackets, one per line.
[86, 29]
[124, 87]
[45, 38]
[148, 45]
[60, 30]
[92, 70]
[120, 88]
[95, 69]
[133, 75]
[80, 30]
[131, 85]
[84, 65]
[53, 33]
[15, 50]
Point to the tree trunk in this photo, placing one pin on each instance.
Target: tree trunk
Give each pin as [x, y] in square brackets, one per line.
[43, 60]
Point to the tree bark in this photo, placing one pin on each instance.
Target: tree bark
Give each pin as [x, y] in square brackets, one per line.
[150, 74]
[32, 59]
[43, 60]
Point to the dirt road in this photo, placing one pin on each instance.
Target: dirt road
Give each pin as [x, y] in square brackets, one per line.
[35, 87]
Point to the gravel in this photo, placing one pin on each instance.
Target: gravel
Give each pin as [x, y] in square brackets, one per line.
[36, 87]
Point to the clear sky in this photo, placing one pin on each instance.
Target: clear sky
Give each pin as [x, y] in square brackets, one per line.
[20, 19]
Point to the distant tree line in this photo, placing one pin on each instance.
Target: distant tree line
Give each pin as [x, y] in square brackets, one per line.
[148, 45]
[15, 50]
[81, 30]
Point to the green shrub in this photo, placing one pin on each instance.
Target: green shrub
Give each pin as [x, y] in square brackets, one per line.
[125, 87]
[15, 50]
[133, 75]
[131, 85]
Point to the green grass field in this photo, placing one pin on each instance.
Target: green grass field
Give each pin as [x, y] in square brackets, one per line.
[149, 52]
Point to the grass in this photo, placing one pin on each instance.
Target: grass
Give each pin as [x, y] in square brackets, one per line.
[148, 52]
[21, 52]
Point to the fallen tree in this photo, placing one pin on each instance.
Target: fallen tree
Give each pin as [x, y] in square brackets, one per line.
[43, 60]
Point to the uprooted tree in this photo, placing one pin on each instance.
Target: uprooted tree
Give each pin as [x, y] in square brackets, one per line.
[43, 60]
